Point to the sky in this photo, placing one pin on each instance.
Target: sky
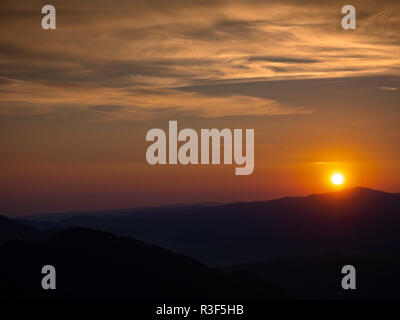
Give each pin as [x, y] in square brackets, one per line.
[76, 102]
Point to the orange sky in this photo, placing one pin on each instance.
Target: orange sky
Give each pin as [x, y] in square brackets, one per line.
[76, 102]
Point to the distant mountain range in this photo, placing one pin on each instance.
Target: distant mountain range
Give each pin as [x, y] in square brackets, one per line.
[93, 265]
[11, 229]
[274, 249]
[357, 220]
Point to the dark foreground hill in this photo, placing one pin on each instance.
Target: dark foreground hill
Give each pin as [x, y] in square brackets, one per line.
[377, 276]
[357, 220]
[97, 265]
[12, 230]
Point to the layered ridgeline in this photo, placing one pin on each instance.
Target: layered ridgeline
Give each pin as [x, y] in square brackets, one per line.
[11, 229]
[93, 264]
[355, 226]
[357, 220]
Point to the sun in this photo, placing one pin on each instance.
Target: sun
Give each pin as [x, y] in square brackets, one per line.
[337, 179]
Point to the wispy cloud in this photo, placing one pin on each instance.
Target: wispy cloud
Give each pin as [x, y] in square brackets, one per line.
[135, 54]
[388, 88]
[21, 97]
[326, 163]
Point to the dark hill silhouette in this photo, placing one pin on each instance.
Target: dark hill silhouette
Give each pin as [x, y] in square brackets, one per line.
[12, 230]
[357, 220]
[320, 277]
[97, 265]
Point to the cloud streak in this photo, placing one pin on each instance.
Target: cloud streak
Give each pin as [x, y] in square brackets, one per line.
[388, 88]
[134, 55]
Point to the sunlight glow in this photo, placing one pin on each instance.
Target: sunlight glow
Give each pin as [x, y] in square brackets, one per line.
[337, 179]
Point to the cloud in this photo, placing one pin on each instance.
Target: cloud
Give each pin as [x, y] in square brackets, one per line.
[326, 163]
[282, 59]
[136, 54]
[107, 108]
[136, 104]
[388, 88]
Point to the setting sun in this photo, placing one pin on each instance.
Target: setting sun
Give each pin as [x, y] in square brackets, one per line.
[337, 179]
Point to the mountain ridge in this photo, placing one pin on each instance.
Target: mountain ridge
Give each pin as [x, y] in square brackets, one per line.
[93, 265]
[344, 221]
[67, 215]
